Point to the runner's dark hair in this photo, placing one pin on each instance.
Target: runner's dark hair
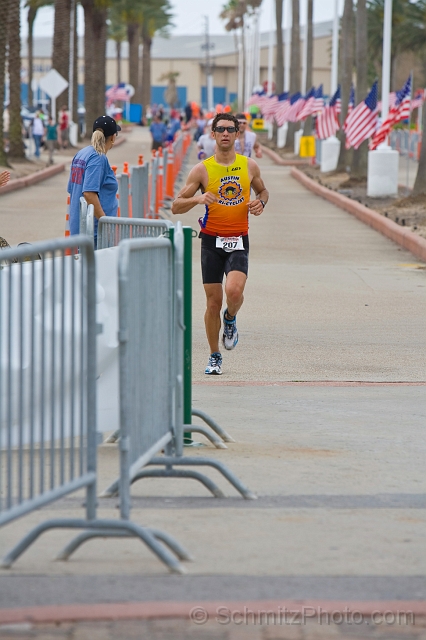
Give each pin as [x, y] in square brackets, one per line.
[224, 116]
[241, 116]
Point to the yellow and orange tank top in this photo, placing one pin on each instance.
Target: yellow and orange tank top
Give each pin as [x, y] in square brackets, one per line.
[231, 185]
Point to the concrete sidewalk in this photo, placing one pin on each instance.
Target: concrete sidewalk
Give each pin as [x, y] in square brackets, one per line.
[325, 395]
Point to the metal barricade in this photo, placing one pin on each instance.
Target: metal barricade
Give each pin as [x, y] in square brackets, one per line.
[112, 230]
[151, 372]
[153, 193]
[139, 190]
[123, 192]
[48, 393]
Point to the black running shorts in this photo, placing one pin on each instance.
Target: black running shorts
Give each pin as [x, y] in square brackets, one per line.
[217, 262]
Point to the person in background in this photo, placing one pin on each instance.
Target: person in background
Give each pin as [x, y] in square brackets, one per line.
[206, 143]
[91, 175]
[174, 125]
[38, 132]
[4, 178]
[188, 112]
[201, 123]
[51, 137]
[247, 142]
[63, 120]
[158, 132]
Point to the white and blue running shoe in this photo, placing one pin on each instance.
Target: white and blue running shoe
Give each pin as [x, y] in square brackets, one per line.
[230, 332]
[214, 366]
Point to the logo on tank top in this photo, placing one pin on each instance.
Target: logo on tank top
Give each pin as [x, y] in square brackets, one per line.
[230, 191]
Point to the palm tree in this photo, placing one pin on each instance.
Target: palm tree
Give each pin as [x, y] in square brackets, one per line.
[156, 18]
[360, 156]
[233, 13]
[16, 147]
[346, 68]
[295, 84]
[61, 45]
[4, 12]
[116, 32]
[307, 127]
[95, 34]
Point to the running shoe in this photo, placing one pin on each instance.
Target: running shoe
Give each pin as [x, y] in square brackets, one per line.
[230, 332]
[214, 366]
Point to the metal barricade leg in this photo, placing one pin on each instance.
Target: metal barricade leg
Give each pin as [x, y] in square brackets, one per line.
[179, 551]
[108, 528]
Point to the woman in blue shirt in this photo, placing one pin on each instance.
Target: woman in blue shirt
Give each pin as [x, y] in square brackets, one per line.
[91, 175]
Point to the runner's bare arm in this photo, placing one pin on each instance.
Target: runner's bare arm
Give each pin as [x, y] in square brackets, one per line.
[257, 148]
[257, 184]
[186, 198]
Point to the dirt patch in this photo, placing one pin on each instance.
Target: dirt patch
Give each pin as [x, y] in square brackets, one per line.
[404, 209]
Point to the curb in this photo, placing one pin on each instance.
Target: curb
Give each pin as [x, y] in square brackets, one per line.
[278, 160]
[200, 612]
[386, 227]
[33, 178]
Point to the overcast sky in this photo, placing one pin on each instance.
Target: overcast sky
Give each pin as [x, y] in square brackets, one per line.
[189, 16]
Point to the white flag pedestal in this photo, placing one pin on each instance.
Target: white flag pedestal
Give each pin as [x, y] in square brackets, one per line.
[282, 136]
[270, 128]
[382, 176]
[297, 137]
[330, 150]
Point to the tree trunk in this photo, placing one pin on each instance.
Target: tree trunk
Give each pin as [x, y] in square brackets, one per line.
[295, 84]
[32, 12]
[146, 68]
[346, 67]
[307, 127]
[16, 148]
[420, 182]
[94, 62]
[118, 57]
[133, 40]
[61, 47]
[75, 78]
[360, 156]
[4, 12]
[279, 67]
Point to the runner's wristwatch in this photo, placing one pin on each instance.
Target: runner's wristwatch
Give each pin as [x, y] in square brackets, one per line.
[263, 203]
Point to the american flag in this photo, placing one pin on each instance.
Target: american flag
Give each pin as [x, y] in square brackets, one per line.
[297, 102]
[255, 98]
[282, 108]
[419, 98]
[309, 106]
[399, 111]
[319, 100]
[362, 121]
[269, 106]
[118, 92]
[328, 120]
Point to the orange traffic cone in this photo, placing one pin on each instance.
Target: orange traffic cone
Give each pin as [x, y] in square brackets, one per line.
[140, 159]
[170, 174]
[68, 252]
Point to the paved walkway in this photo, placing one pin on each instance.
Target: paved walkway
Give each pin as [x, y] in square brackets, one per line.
[325, 396]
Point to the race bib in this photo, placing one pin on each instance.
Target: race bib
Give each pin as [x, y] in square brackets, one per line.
[234, 243]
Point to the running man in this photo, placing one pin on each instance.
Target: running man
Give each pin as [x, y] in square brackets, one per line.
[247, 142]
[225, 181]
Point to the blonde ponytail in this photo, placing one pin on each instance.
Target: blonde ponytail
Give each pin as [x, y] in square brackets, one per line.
[98, 141]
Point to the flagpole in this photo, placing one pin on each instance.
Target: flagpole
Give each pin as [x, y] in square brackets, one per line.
[287, 23]
[383, 162]
[409, 139]
[335, 49]
[387, 38]
[304, 88]
[271, 49]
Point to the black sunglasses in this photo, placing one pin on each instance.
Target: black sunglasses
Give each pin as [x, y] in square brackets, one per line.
[228, 129]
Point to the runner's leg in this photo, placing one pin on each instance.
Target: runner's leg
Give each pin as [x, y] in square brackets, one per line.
[234, 291]
[214, 297]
